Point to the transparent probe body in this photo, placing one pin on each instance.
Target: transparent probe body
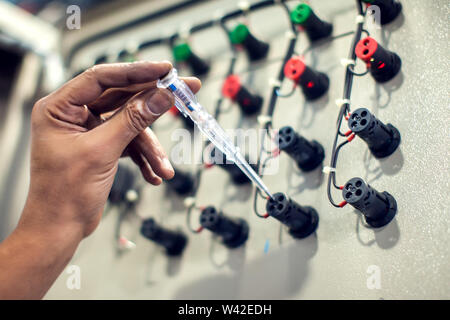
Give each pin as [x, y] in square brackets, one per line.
[188, 105]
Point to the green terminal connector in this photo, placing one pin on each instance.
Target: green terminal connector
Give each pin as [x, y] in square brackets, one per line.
[239, 34]
[181, 52]
[301, 13]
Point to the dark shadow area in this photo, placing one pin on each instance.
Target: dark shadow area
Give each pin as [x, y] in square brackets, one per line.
[278, 274]
[386, 237]
[396, 24]
[309, 110]
[387, 166]
[247, 121]
[384, 91]
[392, 164]
[233, 192]
[10, 62]
[173, 266]
[17, 165]
[176, 200]
[234, 258]
[311, 180]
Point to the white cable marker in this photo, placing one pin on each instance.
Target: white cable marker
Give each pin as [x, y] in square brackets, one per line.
[244, 5]
[341, 102]
[264, 119]
[289, 34]
[359, 19]
[189, 202]
[124, 243]
[217, 15]
[327, 170]
[131, 195]
[185, 30]
[347, 62]
[274, 82]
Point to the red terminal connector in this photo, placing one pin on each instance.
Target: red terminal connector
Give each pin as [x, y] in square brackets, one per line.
[349, 132]
[349, 139]
[266, 215]
[231, 86]
[342, 204]
[208, 165]
[174, 111]
[199, 229]
[366, 48]
[294, 68]
[341, 187]
[276, 153]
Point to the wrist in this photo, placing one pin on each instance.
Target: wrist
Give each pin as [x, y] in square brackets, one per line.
[36, 251]
[48, 229]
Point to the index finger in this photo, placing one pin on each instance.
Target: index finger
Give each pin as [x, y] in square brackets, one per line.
[88, 86]
[114, 98]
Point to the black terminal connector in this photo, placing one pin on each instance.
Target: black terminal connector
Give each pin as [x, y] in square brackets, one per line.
[233, 89]
[389, 9]
[383, 64]
[302, 221]
[124, 181]
[315, 28]
[382, 139]
[314, 84]
[378, 208]
[234, 231]
[173, 241]
[182, 182]
[101, 59]
[235, 172]
[308, 155]
[256, 49]
[182, 53]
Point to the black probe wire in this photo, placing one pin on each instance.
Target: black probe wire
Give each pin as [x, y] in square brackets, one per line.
[345, 108]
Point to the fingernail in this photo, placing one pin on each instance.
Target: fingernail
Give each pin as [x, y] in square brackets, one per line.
[168, 62]
[167, 165]
[159, 102]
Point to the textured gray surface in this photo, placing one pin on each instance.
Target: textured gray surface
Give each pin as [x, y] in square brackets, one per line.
[412, 252]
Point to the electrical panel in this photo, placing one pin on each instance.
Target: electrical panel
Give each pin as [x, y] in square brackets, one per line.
[355, 157]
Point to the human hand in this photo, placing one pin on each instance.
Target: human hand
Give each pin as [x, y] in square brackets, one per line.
[75, 151]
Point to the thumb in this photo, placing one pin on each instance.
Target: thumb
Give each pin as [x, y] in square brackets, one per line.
[139, 112]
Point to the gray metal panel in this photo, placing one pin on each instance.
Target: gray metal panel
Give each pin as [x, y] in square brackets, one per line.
[412, 252]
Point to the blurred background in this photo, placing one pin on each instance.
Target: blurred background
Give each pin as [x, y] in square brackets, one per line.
[134, 252]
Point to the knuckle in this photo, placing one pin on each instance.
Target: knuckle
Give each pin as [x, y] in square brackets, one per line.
[40, 104]
[91, 72]
[136, 117]
[37, 110]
